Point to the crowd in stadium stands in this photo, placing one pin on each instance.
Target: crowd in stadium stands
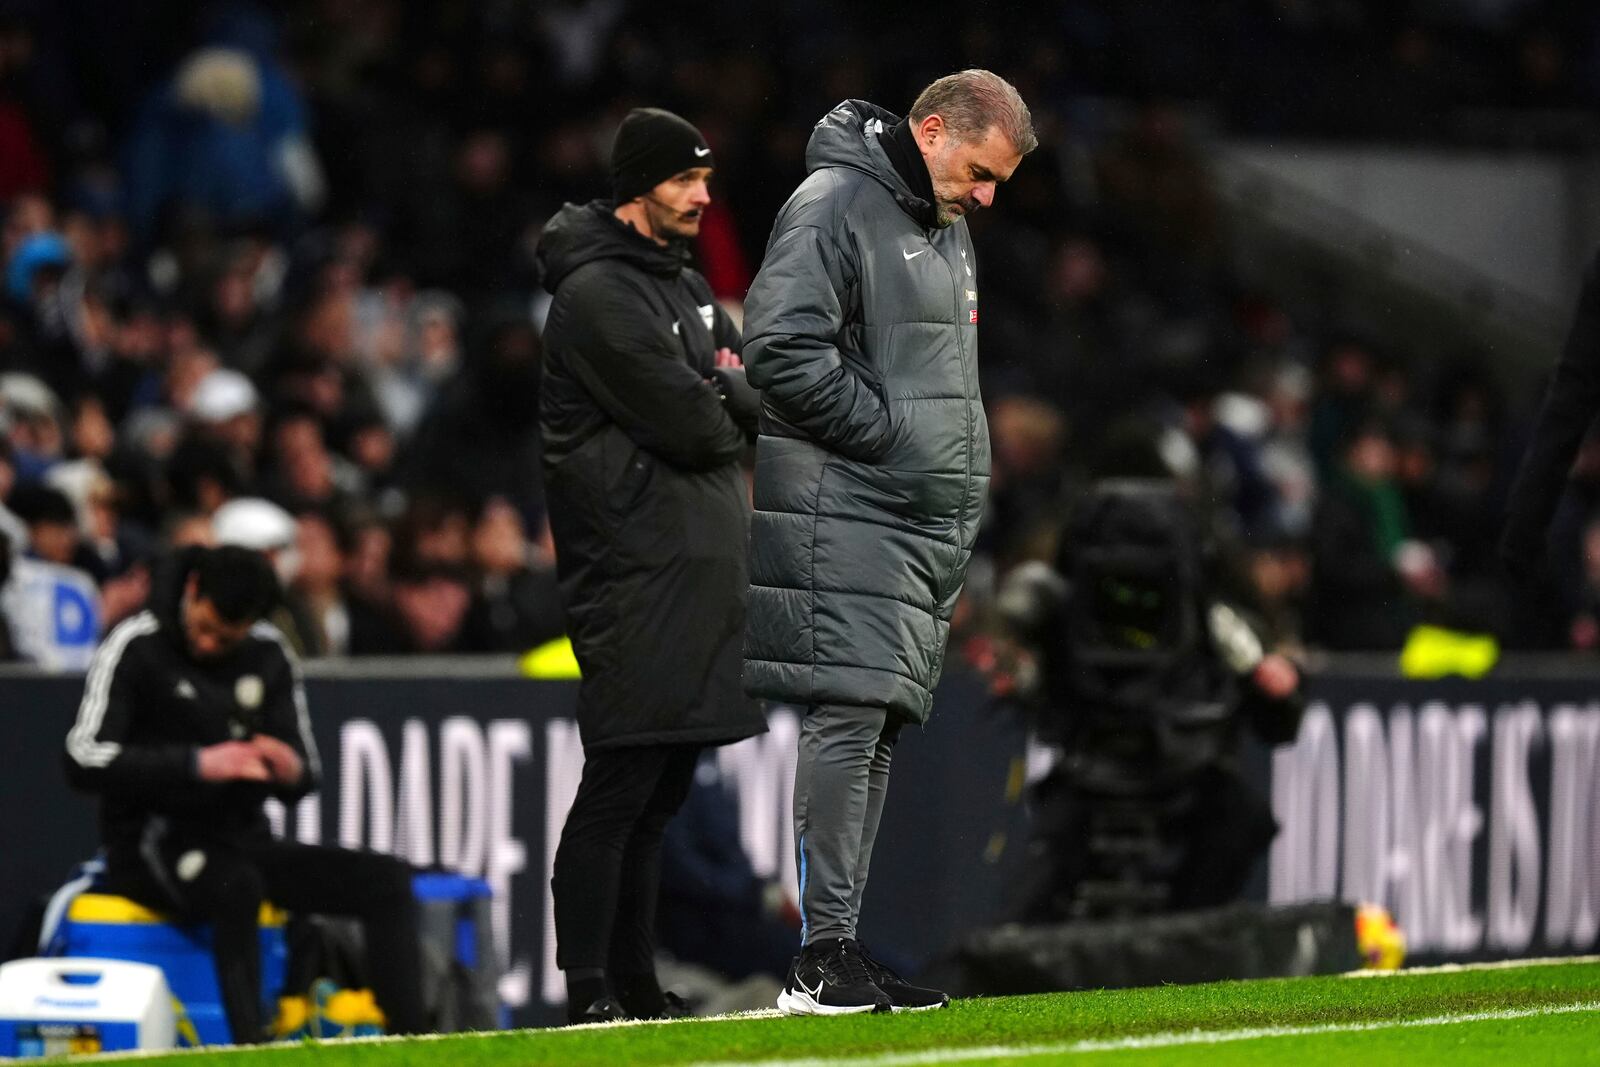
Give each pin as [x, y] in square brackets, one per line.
[267, 276]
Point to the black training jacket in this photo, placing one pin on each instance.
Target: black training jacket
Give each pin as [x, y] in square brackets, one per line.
[149, 706]
[648, 505]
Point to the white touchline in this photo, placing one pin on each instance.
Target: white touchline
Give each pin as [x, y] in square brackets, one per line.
[1149, 1041]
[1485, 965]
[405, 1039]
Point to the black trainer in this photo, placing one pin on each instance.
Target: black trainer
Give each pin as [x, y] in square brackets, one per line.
[604, 1010]
[641, 997]
[671, 1006]
[676, 1007]
[902, 994]
[831, 978]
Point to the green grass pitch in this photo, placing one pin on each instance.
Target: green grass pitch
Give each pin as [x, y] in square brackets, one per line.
[1537, 1014]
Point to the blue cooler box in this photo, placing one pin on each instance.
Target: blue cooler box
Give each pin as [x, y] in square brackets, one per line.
[54, 1007]
[111, 927]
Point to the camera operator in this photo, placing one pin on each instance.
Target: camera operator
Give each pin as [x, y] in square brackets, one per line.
[1146, 677]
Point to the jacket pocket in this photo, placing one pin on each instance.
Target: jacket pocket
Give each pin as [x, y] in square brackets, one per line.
[628, 472]
[645, 528]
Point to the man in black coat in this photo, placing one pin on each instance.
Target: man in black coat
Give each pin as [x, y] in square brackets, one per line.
[193, 714]
[645, 415]
[1571, 403]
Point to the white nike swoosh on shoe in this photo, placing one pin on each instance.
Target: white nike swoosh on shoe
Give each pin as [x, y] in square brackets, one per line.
[913, 255]
[801, 1002]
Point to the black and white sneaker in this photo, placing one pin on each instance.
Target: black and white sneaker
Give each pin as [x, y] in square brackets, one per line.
[831, 978]
[902, 994]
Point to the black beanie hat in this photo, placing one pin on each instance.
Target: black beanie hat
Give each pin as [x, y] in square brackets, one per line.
[652, 145]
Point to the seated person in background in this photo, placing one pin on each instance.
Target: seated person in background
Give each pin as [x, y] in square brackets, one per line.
[517, 605]
[52, 606]
[53, 534]
[193, 714]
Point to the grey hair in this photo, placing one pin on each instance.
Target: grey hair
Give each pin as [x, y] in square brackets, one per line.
[971, 101]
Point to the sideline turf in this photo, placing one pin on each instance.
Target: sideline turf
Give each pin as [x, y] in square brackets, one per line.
[1021, 1023]
[1551, 1040]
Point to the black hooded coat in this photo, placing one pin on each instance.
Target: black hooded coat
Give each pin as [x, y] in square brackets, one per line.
[648, 504]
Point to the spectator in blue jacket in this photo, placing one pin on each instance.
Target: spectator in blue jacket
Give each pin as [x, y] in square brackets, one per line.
[225, 140]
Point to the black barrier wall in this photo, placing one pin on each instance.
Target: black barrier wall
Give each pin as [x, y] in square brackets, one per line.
[471, 767]
[1470, 809]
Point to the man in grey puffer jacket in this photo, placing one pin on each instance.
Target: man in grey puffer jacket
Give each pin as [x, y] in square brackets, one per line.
[871, 471]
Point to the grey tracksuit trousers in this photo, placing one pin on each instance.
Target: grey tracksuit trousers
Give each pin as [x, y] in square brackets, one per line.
[839, 786]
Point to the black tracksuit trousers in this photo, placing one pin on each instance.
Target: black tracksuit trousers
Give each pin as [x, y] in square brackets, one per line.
[608, 865]
[224, 884]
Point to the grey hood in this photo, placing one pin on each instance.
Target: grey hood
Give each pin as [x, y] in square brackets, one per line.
[851, 135]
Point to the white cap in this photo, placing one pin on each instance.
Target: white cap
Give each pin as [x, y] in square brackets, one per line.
[79, 479]
[252, 522]
[25, 393]
[221, 395]
[1244, 414]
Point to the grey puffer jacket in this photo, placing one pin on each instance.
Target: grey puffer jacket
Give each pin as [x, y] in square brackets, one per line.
[873, 461]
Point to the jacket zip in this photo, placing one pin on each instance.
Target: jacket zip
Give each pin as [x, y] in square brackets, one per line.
[966, 385]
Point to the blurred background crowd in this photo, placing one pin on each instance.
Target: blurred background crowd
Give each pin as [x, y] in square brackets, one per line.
[267, 278]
